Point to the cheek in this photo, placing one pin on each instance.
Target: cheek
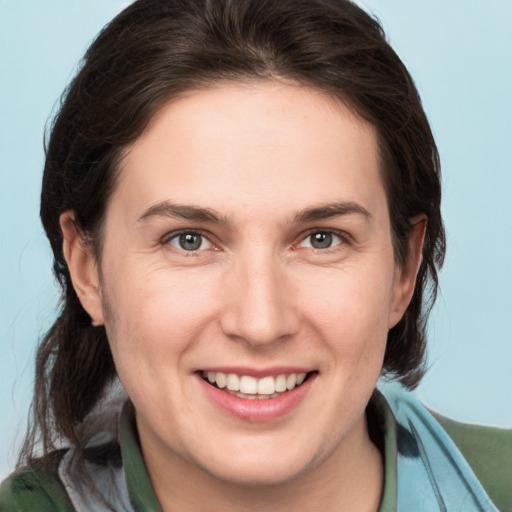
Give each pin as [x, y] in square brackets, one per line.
[350, 302]
[156, 313]
[350, 314]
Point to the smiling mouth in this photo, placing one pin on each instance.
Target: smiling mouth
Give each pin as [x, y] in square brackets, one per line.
[252, 388]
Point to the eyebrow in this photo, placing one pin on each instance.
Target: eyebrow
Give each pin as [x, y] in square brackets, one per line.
[328, 211]
[196, 213]
[179, 211]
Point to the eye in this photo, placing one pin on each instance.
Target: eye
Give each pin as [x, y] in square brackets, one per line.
[321, 240]
[189, 241]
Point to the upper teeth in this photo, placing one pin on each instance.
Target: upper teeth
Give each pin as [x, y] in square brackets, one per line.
[251, 385]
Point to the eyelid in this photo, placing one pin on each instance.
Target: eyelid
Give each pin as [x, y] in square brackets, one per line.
[166, 239]
[343, 235]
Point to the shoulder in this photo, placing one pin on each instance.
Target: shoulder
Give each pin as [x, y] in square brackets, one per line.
[464, 467]
[488, 450]
[35, 488]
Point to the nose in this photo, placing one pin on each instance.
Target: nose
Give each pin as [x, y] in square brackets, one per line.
[258, 301]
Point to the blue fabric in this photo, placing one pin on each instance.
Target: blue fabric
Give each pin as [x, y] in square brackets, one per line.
[431, 472]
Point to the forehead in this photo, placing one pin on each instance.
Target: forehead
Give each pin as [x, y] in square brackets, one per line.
[252, 145]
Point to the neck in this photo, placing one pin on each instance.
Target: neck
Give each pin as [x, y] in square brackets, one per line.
[350, 478]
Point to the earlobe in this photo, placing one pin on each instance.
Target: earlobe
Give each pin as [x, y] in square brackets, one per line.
[82, 268]
[405, 278]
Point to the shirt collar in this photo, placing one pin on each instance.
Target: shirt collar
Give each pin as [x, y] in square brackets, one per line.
[141, 491]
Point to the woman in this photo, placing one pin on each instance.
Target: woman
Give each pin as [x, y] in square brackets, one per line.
[243, 202]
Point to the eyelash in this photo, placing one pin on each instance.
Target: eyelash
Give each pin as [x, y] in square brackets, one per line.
[342, 236]
[175, 235]
[343, 240]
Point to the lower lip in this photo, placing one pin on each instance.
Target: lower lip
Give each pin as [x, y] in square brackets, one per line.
[269, 409]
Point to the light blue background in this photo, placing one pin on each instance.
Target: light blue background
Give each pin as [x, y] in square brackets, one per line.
[460, 54]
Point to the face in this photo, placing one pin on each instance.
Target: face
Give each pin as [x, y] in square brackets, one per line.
[248, 281]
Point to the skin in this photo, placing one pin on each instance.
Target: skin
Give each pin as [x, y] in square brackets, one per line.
[256, 294]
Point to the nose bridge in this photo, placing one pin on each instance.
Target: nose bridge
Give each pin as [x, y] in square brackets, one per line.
[259, 309]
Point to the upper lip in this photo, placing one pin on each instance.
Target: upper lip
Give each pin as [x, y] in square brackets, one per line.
[257, 372]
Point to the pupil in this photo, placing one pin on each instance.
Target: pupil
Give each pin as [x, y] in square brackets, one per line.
[190, 242]
[321, 240]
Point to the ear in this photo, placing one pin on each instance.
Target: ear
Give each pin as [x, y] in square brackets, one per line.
[82, 268]
[405, 275]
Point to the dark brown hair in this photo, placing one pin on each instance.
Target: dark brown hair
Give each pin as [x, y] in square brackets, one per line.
[157, 49]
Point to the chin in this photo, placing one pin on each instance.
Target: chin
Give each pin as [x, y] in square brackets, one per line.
[258, 477]
[262, 470]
